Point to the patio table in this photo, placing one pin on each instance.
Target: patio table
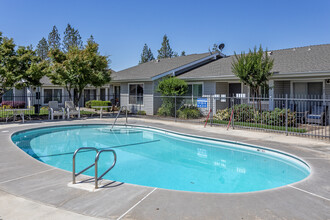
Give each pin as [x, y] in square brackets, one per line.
[101, 107]
[20, 112]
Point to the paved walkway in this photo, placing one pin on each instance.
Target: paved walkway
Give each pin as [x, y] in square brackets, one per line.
[31, 189]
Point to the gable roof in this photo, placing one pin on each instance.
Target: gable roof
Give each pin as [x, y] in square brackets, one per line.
[304, 60]
[147, 71]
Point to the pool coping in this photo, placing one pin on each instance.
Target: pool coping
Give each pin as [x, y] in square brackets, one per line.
[303, 194]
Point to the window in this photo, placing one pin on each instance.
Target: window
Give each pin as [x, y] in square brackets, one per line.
[264, 90]
[195, 91]
[102, 94]
[52, 95]
[136, 94]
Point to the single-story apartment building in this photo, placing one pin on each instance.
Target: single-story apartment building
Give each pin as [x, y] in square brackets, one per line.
[298, 72]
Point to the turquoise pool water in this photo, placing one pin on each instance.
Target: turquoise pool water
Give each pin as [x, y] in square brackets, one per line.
[157, 158]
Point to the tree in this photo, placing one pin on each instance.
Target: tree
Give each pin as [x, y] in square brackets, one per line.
[165, 51]
[19, 68]
[71, 39]
[91, 40]
[183, 53]
[42, 49]
[146, 55]
[253, 69]
[78, 68]
[169, 87]
[54, 40]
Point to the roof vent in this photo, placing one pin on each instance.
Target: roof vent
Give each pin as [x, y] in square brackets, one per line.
[157, 60]
[294, 49]
[309, 48]
[270, 53]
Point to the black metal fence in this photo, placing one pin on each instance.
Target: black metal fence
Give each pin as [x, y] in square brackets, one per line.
[304, 116]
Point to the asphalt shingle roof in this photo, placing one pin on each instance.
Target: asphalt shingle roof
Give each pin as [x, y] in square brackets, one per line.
[295, 60]
[153, 68]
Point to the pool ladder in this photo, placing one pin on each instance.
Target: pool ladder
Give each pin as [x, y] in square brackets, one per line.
[98, 153]
[121, 108]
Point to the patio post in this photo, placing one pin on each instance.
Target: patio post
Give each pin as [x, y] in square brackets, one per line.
[286, 114]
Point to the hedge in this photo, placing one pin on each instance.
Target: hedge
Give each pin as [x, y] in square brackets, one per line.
[91, 103]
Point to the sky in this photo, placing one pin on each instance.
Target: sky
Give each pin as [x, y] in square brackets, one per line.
[122, 27]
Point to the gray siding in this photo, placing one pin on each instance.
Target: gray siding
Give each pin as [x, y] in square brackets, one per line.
[209, 88]
[157, 97]
[147, 98]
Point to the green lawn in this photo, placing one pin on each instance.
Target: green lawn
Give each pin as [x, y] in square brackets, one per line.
[263, 126]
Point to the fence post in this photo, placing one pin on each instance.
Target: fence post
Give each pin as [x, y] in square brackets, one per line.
[286, 114]
[232, 108]
[175, 108]
[211, 108]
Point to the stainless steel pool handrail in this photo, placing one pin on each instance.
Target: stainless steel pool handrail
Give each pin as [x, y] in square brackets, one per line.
[96, 167]
[74, 175]
[118, 116]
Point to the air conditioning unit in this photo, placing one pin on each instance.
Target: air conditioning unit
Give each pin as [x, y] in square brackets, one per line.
[327, 81]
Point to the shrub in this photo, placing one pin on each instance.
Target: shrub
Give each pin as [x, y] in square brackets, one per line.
[6, 107]
[189, 112]
[141, 113]
[167, 108]
[92, 103]
[245, 113]
[14, 104]
[170, 86]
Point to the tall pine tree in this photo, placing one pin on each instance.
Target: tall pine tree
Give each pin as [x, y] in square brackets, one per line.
[166, 51]
[54, 40]
[91, 39]
[146, 55]
[42, 49]
[71, 39]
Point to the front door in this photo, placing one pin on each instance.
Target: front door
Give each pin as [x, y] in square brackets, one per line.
[235, 89]
[117, 95]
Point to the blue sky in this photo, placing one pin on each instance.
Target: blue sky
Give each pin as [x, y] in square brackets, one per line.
[122, 27]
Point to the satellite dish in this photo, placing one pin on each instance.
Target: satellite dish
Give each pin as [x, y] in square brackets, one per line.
[221, 46]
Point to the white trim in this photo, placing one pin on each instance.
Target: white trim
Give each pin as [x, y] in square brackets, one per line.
[128, 84]
[173, 71]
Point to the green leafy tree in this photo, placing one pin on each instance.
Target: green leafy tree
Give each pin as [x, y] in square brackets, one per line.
[165, 51]
[78, 68]
[169, 87]
[42, 49]
[71, 39]
[146, 55]
[19, 68]
[91, 40]
[54, 40]
[183, 53]
[253, 69]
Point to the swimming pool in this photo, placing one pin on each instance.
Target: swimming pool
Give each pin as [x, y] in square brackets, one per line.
[163, 159]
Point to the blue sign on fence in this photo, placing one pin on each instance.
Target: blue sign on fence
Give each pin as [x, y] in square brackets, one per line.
[202, 102]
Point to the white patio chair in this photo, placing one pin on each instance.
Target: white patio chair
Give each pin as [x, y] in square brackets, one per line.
[55, 110]
[71, 109]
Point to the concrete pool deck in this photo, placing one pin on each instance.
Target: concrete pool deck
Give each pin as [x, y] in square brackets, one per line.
[29, 188]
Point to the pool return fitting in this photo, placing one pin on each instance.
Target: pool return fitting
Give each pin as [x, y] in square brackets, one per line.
[98, 153]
